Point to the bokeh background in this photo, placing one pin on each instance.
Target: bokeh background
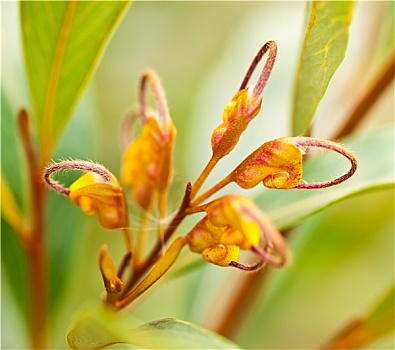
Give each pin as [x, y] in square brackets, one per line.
[343, 256]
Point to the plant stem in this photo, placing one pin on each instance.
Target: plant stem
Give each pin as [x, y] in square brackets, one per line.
[239, 306]
[36, 247]
[153, 256]
[225, 181]
[376, 88]
[203, 176]
[242, 301]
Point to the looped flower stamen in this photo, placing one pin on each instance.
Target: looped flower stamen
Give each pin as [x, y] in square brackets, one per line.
[257, 90]
[307, 142]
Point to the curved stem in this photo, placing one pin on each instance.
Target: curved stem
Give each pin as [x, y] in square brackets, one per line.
[384, 78]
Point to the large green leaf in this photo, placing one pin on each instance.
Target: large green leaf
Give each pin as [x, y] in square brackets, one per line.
[323, 50]
[375, 153]
[63, 42]
[97, 327]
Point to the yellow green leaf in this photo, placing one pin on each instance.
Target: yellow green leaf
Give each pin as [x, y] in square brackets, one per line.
[96, 327]
[323, 50]
[364, 330]
[63, 42]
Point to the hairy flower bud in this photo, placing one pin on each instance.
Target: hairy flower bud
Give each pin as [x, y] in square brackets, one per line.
[277, 164]
[236, 116]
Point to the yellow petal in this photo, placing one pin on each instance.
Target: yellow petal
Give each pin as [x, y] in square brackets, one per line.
[221, 255]
[94, 195]
[204, 235]
[236, 213]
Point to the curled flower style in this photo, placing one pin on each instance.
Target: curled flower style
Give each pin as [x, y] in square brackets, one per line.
[147, 165]
[96, 192]
[233, 223]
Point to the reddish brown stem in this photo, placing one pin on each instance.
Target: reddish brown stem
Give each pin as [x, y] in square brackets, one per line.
[242, 301]
[379, 84]
[36, 247]
[154, 255]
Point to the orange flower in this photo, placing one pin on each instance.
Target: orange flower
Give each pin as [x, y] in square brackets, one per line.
[93, 194]
[236, 116]
[147, 162]
[147, 166]
[277, 164]
[233, 223]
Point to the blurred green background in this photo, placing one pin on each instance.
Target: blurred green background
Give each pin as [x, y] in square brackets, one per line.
[343, 256]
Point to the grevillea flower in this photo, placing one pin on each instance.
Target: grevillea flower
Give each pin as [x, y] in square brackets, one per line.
[244, 106]
[147, 165]
[96, 192]
[233, 223]
[95, 195]
[278, 164]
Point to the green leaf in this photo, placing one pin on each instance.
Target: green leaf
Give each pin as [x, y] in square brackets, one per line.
[323, 50]
[375, 153]
[14, 171]
[63, 42]
[97, 327]
[363, 330]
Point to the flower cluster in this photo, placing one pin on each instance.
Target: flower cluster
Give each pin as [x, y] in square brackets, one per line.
[231, 223]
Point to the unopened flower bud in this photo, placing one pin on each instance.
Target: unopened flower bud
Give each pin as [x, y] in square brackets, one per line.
[277, 164]
[147, 166]
[236, 116]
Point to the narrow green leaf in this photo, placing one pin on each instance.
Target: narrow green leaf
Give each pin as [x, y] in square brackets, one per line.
[96, 327]
[364, 330]
[323, 50]
[174, 334]
[13, 169]
[63, 42]
[375, 154]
